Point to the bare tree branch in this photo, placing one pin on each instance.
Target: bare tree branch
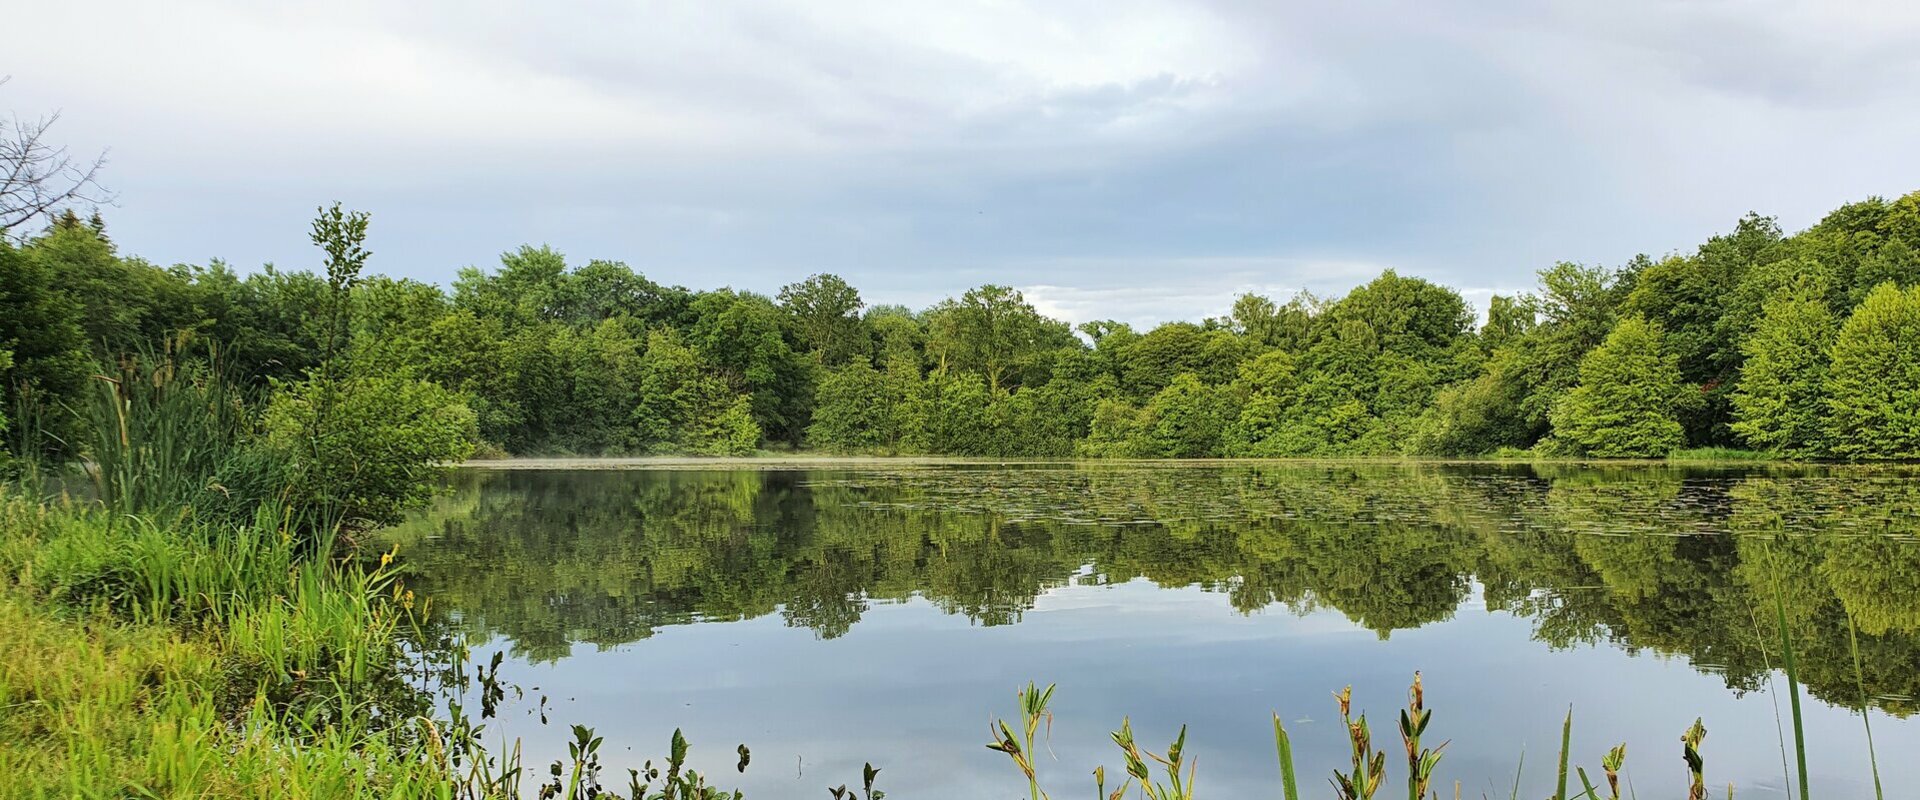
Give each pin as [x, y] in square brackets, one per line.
[38, 178]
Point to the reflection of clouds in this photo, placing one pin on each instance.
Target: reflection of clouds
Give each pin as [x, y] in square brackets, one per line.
[912, 690]
[1170, 613]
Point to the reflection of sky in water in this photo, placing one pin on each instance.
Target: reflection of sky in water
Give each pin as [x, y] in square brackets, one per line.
[911, 689]
[653, 564]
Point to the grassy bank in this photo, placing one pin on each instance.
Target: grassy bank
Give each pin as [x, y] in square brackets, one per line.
[177, 658]
[153, 660]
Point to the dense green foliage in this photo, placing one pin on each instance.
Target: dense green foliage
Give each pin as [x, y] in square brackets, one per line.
[1779, 405]
[202, 392]
[1873, 390]
[1624, 404]
[1749, 341]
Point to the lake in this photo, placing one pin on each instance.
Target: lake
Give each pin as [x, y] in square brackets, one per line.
[829, 614]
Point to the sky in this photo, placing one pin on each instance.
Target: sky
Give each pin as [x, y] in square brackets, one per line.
[1141, 160]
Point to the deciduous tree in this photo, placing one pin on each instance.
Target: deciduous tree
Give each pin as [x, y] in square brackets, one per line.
[1873, 390]
[1780, 406]
[1625, 402]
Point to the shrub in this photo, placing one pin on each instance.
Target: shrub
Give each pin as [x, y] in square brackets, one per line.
[367, 449]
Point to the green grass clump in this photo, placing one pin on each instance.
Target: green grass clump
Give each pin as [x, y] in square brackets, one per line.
[192, 659]
[195, 661]
[99, 708]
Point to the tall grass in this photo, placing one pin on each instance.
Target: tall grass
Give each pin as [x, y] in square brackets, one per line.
[170, 436]
[189, 658]
[1283, 745]
[1793, 690]
[1866, 709]
[192, 660]
[161, 430]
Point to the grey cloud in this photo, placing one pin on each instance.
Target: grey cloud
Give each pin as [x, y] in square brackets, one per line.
[1147, 154]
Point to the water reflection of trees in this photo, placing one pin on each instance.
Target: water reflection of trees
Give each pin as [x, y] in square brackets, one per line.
[1678, 562]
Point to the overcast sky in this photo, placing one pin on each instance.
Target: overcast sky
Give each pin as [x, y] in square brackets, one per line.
[1135, 159]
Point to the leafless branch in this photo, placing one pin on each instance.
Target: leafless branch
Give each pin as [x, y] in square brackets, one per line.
[38, 177]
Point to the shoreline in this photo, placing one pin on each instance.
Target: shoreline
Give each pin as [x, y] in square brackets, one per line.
[805, 461]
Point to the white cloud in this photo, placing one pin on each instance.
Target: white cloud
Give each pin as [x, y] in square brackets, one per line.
[1145, 293]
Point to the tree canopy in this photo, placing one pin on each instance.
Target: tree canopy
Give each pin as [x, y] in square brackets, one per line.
[1797, 345]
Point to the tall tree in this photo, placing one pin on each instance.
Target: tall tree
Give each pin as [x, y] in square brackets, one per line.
[826, 314]
[1407, 315]
[1508, 318]
[1625, 403]
[1184, 420]
[740, 334]
[993, 332]
[529, 287]
[1577, 306]
[1688, 296]
[684, 408]
[1150, 362]
[1873, 389]
[1482, 414]
[607, 289]
[899, 339]
[126, 305]
[1780, 405]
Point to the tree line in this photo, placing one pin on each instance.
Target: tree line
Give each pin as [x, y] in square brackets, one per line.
[1804, 345]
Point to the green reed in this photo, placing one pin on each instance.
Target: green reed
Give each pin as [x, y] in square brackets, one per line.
[1793, 695]
[1866, 711]
[160, 430]
[1283, 745]
[1420, 761]
[1178, 786]
[1566, 746]
[1033, 711]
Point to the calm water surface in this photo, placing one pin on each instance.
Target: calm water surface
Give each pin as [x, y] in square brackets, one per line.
[883, 612]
